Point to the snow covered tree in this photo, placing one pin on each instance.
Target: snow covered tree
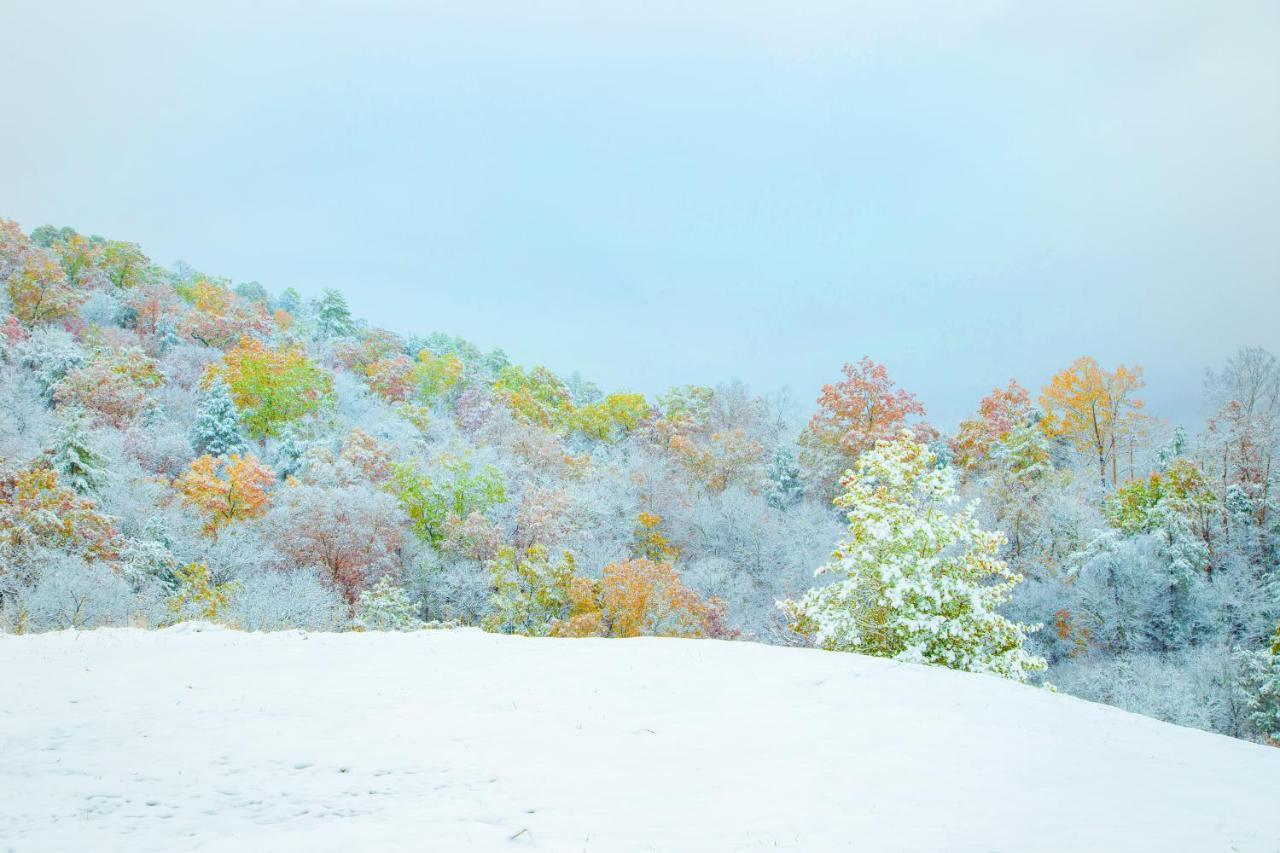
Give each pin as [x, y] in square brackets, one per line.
[114, 385]
[198, 595]
[333, 317]
[784, 488]
[78, 464]
[351, 534]
[916, 582]
[386, 607]
[217, 431]
[863, 408]
[50, 354]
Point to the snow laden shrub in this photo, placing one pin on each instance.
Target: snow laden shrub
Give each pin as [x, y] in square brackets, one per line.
[68, 591]
[199, 596]
[917, 582]
[271, 600]
[217, 430]
[530, 592]
[639, 598]
[386, 607]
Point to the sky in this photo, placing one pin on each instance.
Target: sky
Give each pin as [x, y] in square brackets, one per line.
[668, 192]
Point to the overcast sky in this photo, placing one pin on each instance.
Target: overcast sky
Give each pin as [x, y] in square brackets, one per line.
[657, 194]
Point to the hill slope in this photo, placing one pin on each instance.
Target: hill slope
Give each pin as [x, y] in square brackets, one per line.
[217, 740]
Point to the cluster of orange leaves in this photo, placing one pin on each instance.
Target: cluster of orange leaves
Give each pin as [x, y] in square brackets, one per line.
[226, 490]
[37, 510]
[221, 318]
[998, 413]
[637, 598]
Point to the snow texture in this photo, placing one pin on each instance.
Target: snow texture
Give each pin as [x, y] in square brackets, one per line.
[202, 739]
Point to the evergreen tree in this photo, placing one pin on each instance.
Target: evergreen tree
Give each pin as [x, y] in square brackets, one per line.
[217, 430]
[290, 300]
[916, 583]
[333, 318]
[387, 607]
[784, 488]
[289, 450]
[73, 457]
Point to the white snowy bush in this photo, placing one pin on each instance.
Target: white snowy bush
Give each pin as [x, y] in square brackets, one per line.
[271, 600]
[386, 607]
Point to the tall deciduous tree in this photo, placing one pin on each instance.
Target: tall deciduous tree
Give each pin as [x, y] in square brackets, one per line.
[854, 413]
[998, 413]
[1096, 410]
[38, 288]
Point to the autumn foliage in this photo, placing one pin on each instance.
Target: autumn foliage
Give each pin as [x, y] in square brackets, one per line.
[855, 413]
[1097, 411]
[998, 413]
[272, 386]
[36, 510]
[226, 490]
[635, 598]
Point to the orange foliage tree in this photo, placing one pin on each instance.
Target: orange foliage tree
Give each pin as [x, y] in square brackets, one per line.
[36, 510]
[863, 408]
[998, 413]
[219, 318]
[226, 490]
[637, 598]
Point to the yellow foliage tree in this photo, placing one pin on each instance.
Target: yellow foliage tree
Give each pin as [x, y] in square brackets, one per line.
[637, 598]
[613, 417]
[198, 597]
[1095, 410]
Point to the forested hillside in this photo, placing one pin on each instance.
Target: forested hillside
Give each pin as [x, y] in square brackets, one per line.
[174, 445]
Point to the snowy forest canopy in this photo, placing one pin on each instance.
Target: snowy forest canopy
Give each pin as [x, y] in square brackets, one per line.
[177, 446]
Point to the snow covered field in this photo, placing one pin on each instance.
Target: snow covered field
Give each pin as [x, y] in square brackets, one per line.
[452, 740]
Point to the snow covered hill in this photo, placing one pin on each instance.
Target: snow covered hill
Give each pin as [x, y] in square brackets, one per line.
[451, 740]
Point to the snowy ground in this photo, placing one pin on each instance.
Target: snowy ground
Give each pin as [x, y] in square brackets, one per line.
[451, 740]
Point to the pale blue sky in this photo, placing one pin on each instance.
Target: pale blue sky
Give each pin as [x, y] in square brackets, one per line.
[654, 194]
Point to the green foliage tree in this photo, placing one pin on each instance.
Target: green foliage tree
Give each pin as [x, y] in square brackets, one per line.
[530, 592]
[73, 456]
[455, 490]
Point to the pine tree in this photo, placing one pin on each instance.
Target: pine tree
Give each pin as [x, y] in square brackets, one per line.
[333, 318]
[217, 431]
[289, 451]
[386, 607]
[917, 583]
[784, 488]
[73, 457]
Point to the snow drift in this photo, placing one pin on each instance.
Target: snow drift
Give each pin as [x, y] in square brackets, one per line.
[221, 740]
